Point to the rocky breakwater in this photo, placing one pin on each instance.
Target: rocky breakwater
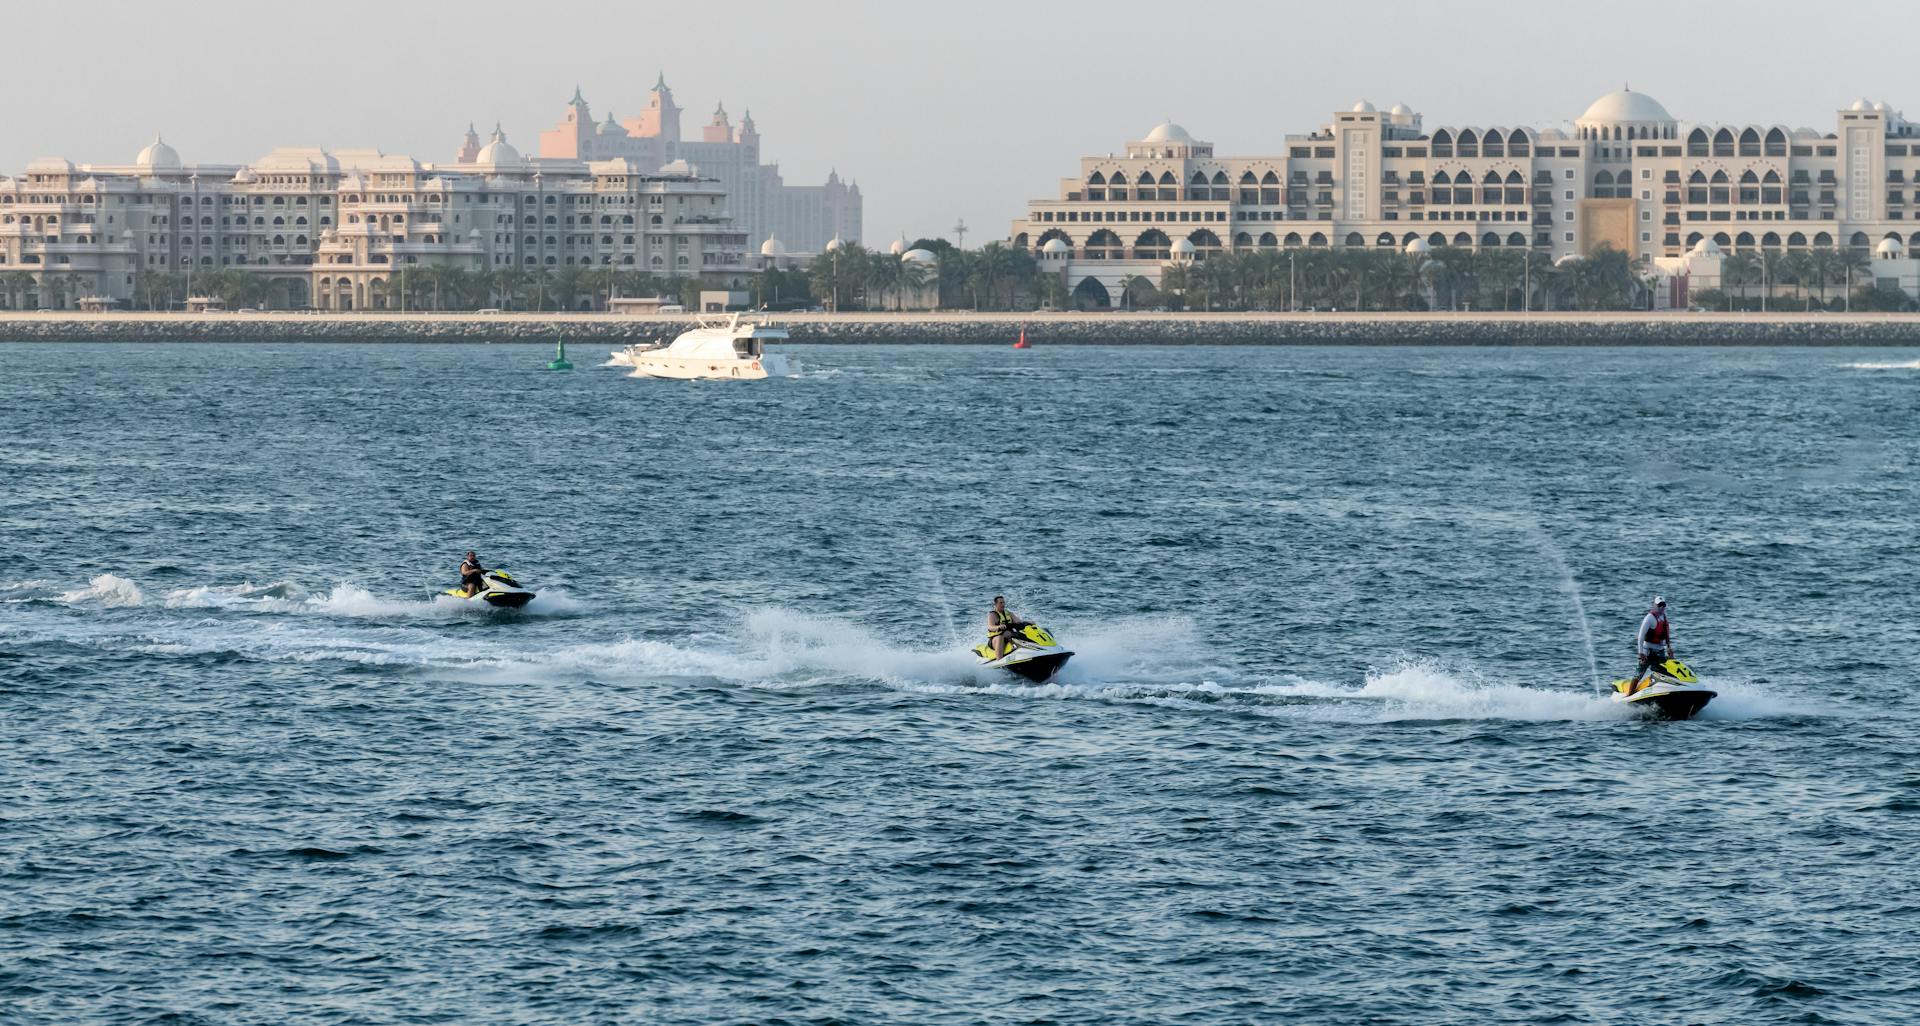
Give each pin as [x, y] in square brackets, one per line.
[995, 329]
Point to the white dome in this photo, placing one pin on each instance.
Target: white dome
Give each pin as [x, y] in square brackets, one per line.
[899, 246]
[918, 256]
[1706, 247]
[834, 243]
[245, 176]
[1419, 247]
[1624, 106]
[158, 156]
[497, 151]
[1861, 104]
[1182, 247]
[1167, 131]
[1881, 106]
[1568, 261]
[1363, 107]
[1890, 249]
[773, 247]
[1401, 110]
[1055, 247]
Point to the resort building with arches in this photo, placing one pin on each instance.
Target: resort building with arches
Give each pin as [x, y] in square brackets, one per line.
[1625, 174]
[332, 229]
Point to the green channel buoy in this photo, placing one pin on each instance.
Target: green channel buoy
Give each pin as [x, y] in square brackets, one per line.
[559, 361]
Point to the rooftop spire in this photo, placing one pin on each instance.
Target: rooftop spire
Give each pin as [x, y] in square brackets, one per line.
[577, 98]
[660, 84]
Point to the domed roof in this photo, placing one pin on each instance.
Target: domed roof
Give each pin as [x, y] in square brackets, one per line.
[899, 246]
[1401, 110]
[245, 176]
[1890, 249]
[1167, 131]
[1363, 107]
[158, 156]
[773, 247]
[833, 244]
[918, 256]
[1861, 104]
[1881, 106]
[1706, 247]
[1624, 106]
[1055, 247]
[1419, 247]
[497, 150]
[1182, 247]
[611, 127]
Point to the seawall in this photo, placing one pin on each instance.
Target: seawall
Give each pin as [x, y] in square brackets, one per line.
[996, 329]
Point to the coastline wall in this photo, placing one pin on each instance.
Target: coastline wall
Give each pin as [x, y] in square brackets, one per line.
[996, 329]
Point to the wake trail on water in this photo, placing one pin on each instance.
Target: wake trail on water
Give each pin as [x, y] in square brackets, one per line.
[1143, 661]
[111, 591]
[1909, 365]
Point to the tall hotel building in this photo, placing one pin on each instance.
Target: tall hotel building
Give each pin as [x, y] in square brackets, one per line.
[803, 218]
[1627, 175]
[330, 229]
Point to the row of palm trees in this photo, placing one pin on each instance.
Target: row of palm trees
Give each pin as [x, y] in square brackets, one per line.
[1390, 279]
[1757, 275]
[994, 277]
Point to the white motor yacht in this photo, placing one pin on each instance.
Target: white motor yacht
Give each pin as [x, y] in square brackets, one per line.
[715, 347]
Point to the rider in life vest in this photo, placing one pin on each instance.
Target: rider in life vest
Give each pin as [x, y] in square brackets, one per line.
[1655, 640]
[1001, 625]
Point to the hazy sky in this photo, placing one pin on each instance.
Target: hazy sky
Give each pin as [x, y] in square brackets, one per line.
[940, 111]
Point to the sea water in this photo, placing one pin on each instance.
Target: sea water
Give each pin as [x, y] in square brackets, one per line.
[1332, 749]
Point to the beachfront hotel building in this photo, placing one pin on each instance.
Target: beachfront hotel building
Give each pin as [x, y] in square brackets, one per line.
[332, 229]
[804, 218]
[1626, 174]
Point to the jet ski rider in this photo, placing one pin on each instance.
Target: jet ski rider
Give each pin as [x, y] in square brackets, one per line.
[1655, 641]
[1001, 625]
[472, 574]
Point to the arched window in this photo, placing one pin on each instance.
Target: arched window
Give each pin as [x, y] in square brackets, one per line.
[1443, 143]
[1697, 143]
[1205, 244]
[1267, 241]
[1797, 240]
[1316, 239]
[1822, 240]
[1152, 244]
[1723, 143]
[1776, 143]
[1463, 240]
[1720, 239]
[1744, 240]
[1355, 240]
[1293, 240]
[1494, 145]
[1469, 145]
[1693, 238]
[1517, 240]
[1749, 143]
[1097, 179]
[1490, 241]
[1385, 240]
[1105, 245]
[1771, 240]
[1243, 240]
[1858, 241]
[1518, 145]
[1436, 239]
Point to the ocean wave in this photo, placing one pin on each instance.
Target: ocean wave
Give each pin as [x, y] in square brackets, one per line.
[1909, 365]
[105, 590]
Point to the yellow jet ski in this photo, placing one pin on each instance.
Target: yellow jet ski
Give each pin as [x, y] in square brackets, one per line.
[1670, 691]
[501, 591]
[1033, 654]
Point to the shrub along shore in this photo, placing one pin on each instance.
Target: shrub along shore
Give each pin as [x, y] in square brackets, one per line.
[1588, 329]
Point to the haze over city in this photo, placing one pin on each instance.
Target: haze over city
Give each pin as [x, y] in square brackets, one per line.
[940, 114]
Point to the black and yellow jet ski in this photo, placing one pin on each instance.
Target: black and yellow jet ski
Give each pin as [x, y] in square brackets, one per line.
[1669, 691]
[501, 591]
[1033, 654]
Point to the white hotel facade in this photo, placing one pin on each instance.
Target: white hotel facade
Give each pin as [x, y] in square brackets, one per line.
[331, 230]
[1626, 174]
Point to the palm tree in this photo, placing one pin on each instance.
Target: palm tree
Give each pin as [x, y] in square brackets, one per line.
[909, 278]
[598, 282]
[1736, 271]
[1849, 263]
[1794, 268]
[1131, 288]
